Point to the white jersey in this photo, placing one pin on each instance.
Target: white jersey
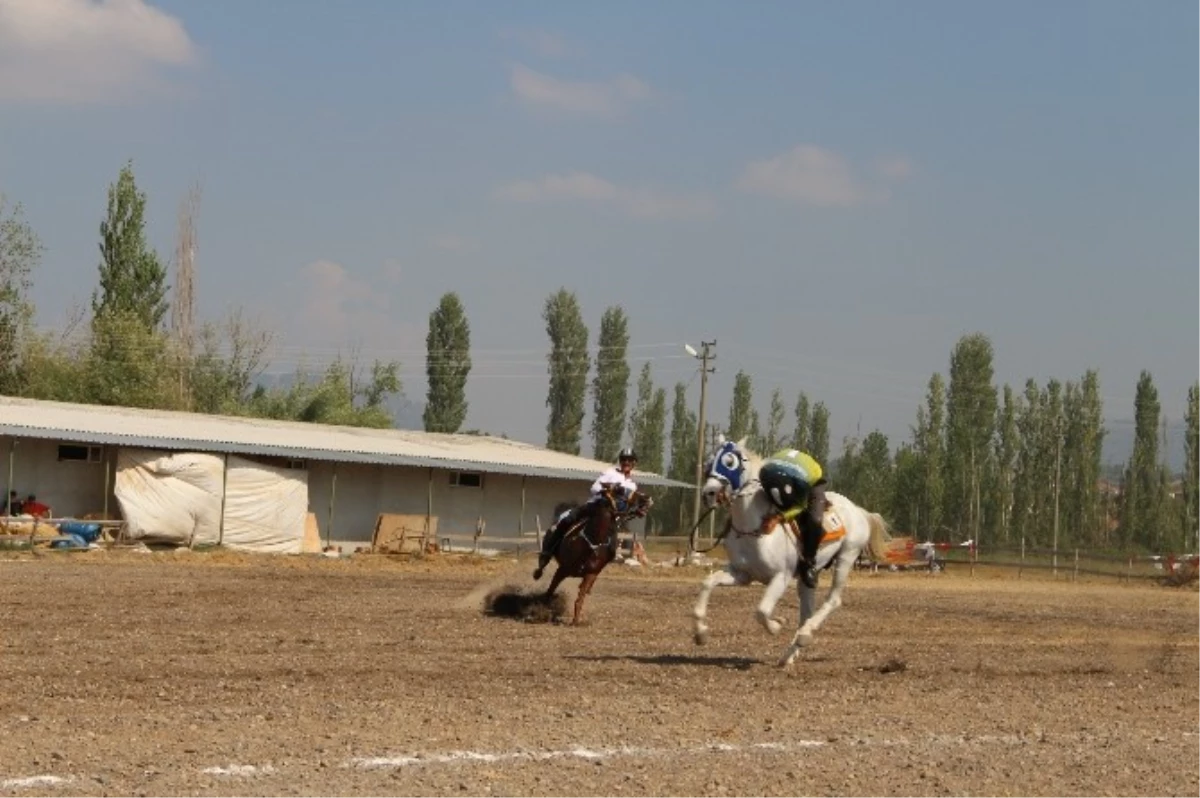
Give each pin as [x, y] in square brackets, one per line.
[613, 476]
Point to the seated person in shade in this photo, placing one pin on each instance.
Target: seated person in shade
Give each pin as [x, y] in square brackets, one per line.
[13, 505]
[31, 506]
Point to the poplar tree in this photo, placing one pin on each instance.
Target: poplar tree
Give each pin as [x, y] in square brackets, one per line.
[447, 366]
[610, 387]
[568, 364]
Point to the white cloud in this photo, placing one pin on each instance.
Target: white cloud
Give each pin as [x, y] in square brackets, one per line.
[339, 307]
[332, 296]
[641, 202]
[543, 42]
[806, 174]
[87, 51]
[607, 98]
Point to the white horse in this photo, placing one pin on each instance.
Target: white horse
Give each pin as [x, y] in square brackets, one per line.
[762, 549]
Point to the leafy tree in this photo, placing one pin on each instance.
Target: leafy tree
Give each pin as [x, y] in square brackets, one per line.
[1090, 459]
[647, 428]
[876, 474]
[930, 447]
[568, 367]
[818, 434]
[447, 364]
[230, 356]
[610, 387]
[1191, 469]
[906, 488]
[1082, 458]
[741, 408]
[54, 367]
[970, 421]
[130, 364]
[1007, 444]
[132, 280]
[20, 253]
[648, 423]
[1051, 440]
[803, 423]
[1141, 510]
[1029, 480]
[774, 439]
[683, 458]
[754, 436]
[332, 398]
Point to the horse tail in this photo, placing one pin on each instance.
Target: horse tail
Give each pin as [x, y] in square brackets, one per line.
[881, 534]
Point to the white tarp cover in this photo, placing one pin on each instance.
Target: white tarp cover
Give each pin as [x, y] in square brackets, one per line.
[176, 498]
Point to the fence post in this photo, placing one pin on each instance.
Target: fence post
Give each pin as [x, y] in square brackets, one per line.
[480, 525]
[974, 553]
[1129, 573]
[1075, 576]
[1021, 567]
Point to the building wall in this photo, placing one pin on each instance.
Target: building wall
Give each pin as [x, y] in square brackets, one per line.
[70, 488]
[364, 491]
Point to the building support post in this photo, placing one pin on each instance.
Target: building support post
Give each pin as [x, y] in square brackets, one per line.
[107, 478]
[521, 523]
[332, 502]
[428, 516]
[221, 520]
[12, 456]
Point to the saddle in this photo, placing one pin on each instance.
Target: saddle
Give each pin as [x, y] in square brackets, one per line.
[835, 528]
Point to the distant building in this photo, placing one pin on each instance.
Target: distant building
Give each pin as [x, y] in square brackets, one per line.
[70, 456]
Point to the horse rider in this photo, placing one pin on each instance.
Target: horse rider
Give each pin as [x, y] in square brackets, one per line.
[795, 484]
[618, 475]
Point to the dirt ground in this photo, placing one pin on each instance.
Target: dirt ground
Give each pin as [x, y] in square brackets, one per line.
[218, 674]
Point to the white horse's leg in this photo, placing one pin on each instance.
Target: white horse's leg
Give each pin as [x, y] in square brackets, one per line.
[700, 611]
[807, 594]
[804, 636]
[771, 596]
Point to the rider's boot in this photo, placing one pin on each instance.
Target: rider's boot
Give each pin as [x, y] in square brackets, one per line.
[810, 540]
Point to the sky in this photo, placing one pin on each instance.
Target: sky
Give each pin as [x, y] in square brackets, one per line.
[834, 192]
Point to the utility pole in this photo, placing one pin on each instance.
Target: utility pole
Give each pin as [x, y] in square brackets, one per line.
[705, 355]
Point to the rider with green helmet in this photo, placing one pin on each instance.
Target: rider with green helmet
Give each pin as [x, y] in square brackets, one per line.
[795, 484]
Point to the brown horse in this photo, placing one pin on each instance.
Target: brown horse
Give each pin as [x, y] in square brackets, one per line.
[589, 546]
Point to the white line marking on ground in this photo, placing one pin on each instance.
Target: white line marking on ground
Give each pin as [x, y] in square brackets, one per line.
[33, 781]
[452, 757]
[593, 754]
[238, 770]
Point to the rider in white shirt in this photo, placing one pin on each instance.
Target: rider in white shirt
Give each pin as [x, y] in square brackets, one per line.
[618, 475]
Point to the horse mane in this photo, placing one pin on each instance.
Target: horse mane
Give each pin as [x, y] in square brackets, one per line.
[753, 460]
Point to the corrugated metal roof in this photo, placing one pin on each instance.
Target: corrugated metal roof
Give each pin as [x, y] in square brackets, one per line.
[167, 429]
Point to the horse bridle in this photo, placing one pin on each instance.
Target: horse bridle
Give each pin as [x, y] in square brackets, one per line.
[729, 525]
[766, 524]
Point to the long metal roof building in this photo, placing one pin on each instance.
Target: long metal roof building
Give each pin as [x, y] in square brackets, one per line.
[178, 431]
